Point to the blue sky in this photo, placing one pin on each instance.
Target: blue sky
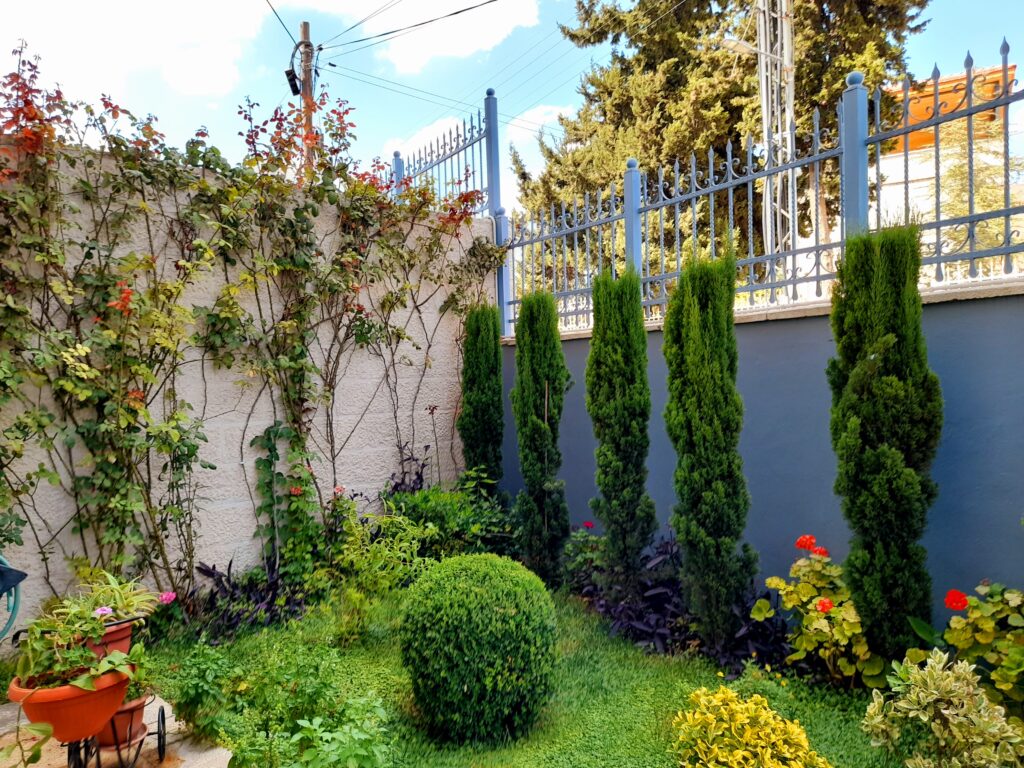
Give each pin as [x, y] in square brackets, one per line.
[191, 62]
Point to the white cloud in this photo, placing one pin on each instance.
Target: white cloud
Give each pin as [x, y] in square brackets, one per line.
[194, 46]
[523, 133]
[421, 140]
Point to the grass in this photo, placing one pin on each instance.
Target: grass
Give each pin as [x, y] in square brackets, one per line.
[612, 707]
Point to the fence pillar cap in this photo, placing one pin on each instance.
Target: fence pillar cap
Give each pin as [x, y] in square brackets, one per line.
[490, 91]
[632, 164]
[854, 79]
[500, 212]
[397, 153]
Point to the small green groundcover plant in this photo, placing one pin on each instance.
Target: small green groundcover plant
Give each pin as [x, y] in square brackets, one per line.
[990, 635]
[723, 730]
[940, 714]
[825, 624]
[478, 642]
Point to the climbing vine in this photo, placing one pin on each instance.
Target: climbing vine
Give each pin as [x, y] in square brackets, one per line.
[130, 270]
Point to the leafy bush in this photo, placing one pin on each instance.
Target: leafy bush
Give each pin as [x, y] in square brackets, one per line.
[537, 399]
[619, 404]
[990, 636]
[825, 624]
[886, 421]
[465, 520]
[722, 729]
[359, 741]
[478, 641]
[582, 560]
[941, 713]
[481, 423]
[703, 416]
[199, 696]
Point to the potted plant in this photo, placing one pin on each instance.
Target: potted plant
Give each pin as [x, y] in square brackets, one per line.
[126, 726]
[61, 681]
[120, 605]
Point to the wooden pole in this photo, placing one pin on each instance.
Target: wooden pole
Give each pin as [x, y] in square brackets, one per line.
[307, 95]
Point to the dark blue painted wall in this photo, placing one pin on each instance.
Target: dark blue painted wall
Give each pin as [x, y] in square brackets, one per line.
[974, 530]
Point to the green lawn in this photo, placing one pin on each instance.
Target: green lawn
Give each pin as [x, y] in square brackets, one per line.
[612, 707]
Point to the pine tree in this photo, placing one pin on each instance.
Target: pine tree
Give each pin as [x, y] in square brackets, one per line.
[672, 87]
[619, 404]
[886, 422]
[537, 398]
[481, 422]
[704, 415]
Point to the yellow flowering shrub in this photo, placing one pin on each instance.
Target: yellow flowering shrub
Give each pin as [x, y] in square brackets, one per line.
[723, 730]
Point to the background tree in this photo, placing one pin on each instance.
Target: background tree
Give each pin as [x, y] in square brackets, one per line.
[671, 88]
[703, 416]
[619, 404]
[480, 423]
[886, 421]
[537, 398]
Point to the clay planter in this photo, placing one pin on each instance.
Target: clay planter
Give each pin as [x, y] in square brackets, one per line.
[74, 713]
[125, 725]
[117, 637]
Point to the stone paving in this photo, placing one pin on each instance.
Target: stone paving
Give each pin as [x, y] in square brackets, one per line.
[182, 750]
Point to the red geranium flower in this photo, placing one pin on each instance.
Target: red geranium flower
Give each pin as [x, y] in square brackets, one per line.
[296, 490]
[588, 525]
[820, 551]
[807, 541]
[956, 600]
[825, 605]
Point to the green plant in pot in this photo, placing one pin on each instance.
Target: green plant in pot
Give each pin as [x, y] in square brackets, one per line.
[120, 605]
[61, 681]
[126, 725]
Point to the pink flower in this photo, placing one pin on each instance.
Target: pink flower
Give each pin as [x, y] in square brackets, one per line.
[166, 598]
[339, 490]
[588, 525]
[103, 610]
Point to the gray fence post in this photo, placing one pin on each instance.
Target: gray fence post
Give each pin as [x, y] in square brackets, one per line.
[492, 148]
[631, 216]
[853, 136]
[397, 173]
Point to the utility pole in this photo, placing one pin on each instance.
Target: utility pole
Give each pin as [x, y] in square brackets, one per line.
[308, 137]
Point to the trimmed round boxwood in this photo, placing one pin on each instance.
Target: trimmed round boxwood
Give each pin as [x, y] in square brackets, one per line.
[478, 641]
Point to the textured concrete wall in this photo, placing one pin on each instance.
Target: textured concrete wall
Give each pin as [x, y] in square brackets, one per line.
[235, 408]
[974, 529]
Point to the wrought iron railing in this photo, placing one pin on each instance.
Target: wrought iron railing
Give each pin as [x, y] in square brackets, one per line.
[784, 213]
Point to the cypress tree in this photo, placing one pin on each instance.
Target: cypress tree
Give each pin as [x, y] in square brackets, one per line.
[704, 415]
[481, 422]
[619, 404]
[537, 398]
[886, 422]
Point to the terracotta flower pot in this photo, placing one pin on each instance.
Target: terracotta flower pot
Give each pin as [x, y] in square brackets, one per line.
[117, 637]
[125, 725]
[74, 713]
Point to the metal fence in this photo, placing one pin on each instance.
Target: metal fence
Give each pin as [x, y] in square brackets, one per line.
[940, 155]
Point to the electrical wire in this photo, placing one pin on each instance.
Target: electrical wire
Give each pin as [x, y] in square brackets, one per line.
[409, 27]
[380, 10]
[471, 105]
[283, 25]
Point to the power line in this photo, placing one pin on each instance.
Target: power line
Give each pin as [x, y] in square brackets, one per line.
[647, 26]
[411, 26]
[283, 25]
[380, 10]
[471, 105]
[370, 45]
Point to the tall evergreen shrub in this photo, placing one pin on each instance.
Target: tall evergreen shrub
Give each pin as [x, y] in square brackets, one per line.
[481, 422]
[537, 398]
[619, 404]
[703, 416]
[886, 421]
